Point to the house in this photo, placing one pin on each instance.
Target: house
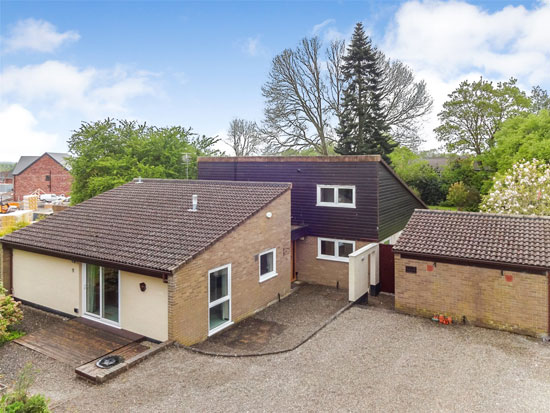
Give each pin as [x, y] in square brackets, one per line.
[167, 259]
[340, 205]
[48, 173]
[6, 181]
[488, 269]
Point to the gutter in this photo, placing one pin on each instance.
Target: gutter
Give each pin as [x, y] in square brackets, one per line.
[90, 260]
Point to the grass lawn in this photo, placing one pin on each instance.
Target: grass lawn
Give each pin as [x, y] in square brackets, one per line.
[443, 208]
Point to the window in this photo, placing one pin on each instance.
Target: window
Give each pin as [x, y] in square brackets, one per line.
[268, 264]
[334, 249]
[410, 270]
[336, 196]
[219, 298]
[101, 293]
[48, 178]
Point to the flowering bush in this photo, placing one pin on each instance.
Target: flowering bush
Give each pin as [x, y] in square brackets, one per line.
[463, 197]
[10, 313]
[524, 189]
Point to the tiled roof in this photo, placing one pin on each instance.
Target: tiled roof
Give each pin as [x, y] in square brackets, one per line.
[26, 161]
[496, 238]
[147, 225]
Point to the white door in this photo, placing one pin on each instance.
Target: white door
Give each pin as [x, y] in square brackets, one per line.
[101, 294]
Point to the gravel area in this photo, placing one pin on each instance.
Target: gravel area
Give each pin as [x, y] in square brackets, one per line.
[367, 359]
[280, 326]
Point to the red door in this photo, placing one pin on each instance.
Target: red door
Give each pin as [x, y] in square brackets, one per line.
[387, 268]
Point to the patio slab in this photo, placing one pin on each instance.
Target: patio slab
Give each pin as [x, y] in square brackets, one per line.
[281, 326]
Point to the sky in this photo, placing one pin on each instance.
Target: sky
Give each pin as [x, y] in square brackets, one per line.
[200, 64]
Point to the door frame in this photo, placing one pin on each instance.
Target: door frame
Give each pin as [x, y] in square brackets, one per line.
[293, 261]
[92, 316]
[220, 300]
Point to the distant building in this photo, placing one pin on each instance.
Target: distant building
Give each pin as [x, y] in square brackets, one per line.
[438, 162]
[6, 177]
[48, 173]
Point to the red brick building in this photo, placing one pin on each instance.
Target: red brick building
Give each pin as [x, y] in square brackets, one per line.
[48, 172]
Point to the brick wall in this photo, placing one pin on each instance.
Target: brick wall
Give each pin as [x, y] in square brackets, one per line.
[34, 177]
[320, 271]
[515, 301]
[188, 288]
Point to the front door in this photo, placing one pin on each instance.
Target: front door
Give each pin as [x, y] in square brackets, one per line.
[101, 288]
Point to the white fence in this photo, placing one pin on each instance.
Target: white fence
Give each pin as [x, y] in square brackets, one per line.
[363, 270]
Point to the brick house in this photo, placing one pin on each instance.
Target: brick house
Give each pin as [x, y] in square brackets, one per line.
[48, 173]
[175, 272]
[488, 269]
[342, 206]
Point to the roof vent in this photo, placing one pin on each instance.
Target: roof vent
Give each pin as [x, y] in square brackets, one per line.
[195, 203]
[139, 181]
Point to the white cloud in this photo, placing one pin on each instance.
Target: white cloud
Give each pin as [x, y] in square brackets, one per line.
[58, 86]
[37, 35]
[18, 130]
[319, 27]
[253, 46]
[447, 42]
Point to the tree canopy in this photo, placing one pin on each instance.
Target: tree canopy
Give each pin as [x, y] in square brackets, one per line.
[521, 137]
[108, 153]
[475, 111]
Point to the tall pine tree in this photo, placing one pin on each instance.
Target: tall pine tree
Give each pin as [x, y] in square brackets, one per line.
[362, 128]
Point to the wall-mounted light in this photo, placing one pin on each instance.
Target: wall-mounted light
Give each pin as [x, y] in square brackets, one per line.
[142, 286]
[269, 215]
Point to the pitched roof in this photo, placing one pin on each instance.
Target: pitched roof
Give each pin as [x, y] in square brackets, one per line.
[26, 161]
[475, 236]
[147, 225]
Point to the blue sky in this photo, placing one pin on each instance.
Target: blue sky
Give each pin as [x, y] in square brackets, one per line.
[200, 64]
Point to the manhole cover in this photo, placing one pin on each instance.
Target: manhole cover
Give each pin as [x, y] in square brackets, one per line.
[109, 361]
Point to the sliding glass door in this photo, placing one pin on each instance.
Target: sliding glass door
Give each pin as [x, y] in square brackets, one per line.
[101, 293]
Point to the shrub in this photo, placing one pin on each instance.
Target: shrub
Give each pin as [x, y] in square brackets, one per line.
[10, 229]
[463, 197]
[18, 400]
[10, 313]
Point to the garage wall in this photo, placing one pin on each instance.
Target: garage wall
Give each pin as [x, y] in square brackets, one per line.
[144, 312]
[512, 301]
[48, 281]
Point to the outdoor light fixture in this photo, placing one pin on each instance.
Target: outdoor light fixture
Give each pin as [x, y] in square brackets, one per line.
[142, 286]
[269, 215]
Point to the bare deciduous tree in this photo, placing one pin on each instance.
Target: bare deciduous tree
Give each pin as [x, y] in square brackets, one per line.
[297, 114]
[243, 137]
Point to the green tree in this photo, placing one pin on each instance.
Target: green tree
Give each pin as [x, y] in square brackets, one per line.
[539, 99]
[108, 153]
[362, 128]
[418, 174]
[475, 111]
[463, 197]
[466, 169]
[521, 137]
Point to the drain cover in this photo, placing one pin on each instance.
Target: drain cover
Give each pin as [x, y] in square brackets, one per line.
[109, 361]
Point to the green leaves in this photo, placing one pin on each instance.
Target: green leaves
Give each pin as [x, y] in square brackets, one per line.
[109, 153]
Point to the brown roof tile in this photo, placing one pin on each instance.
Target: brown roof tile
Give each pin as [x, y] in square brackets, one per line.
[512, 239]
[147, 225]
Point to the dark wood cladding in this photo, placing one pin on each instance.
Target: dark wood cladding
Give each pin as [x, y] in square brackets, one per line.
[396, 203]
[358, 223]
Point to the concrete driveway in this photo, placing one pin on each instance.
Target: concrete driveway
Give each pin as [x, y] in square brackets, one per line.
[368, 359]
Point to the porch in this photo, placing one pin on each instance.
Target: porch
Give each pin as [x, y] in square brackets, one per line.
[80, 343]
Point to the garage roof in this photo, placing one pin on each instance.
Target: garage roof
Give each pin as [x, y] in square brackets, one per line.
[148, 225]
[475, 236]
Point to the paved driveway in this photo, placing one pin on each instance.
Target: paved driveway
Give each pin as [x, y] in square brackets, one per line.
[369, 359]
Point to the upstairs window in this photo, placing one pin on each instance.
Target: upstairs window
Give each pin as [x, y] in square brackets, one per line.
[342, 196]
[334, 249]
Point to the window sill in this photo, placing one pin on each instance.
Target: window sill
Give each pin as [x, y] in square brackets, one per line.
[323, 204]
[220, 328]
[329, 258]
[267, 276]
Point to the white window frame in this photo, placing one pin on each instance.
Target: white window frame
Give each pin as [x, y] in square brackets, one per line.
[220, 300]
[335, 188]
[333, 257]
[92, 316]
[269, 275]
